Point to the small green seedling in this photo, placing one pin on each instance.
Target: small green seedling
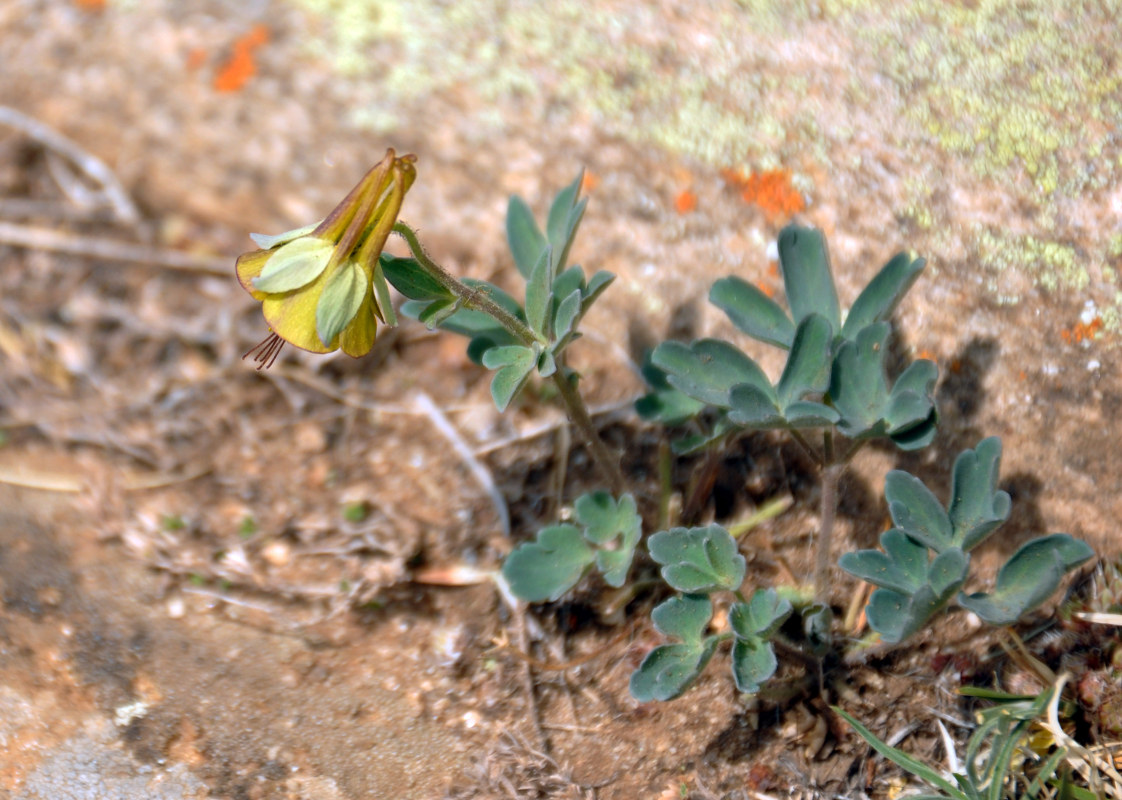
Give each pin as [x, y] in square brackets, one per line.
[700, 562]
[925, 560]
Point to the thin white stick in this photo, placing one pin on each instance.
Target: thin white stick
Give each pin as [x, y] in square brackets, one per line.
[38, 238]
[123, 207]
[481, 474]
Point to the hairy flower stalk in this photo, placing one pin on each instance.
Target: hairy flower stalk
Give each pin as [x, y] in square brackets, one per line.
[321, 287]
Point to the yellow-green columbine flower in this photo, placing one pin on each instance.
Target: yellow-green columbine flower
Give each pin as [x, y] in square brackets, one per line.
[321, 287]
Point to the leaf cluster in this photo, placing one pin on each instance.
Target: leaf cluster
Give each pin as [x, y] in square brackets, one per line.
[835, 372]
[699, 562]
[557, 296]
[924, 560]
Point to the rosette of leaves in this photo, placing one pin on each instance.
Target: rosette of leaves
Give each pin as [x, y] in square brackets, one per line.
[925, 559]
[699, 562]
[557, 297]
[604, 534]
[835, 371]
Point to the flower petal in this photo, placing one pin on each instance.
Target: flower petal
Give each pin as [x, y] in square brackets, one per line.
[358, 338]
[292, 315]
[266, 242]
[293, 265]
[248, 267]
[342, 296]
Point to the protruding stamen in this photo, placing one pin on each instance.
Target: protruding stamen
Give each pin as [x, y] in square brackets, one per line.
[266, 351]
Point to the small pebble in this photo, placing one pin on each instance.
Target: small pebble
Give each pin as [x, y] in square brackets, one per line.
[176, 608]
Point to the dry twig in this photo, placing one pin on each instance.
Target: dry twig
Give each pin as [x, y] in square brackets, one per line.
[96, 169]
[39, 238]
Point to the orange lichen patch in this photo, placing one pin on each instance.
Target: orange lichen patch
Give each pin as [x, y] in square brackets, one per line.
[768, 291]
[1082, 331]
[955, 365]
[772, 193]
[685, 202]
[589, 182]
[90, 5]
[927, 354]
[237, 71]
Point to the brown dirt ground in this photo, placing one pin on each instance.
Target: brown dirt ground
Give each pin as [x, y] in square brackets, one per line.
[190, 546]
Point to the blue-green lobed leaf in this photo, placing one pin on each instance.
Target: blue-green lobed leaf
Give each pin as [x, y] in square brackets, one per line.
[538, 294]
[753, 662]
[753, 312]
[668, 670]
[808, 366]
[708, 369]
[977, 505]
[809, 283]
[902, 566]
[916, 511]
[763, 614]
[882, 294]
[1029, 578]
[698, 560]
[513, 363]
[543, 570]
[525, 239]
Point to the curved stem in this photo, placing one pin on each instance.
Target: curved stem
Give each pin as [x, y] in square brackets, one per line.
[471, 298]
[479, 301]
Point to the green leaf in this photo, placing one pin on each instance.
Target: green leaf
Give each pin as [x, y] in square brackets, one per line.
[1028, 578]
[808, 365]
[977, 506]
[565, 216]
[753, 662]
[615, 526]
[882, 294]
[896, 615]
[755, 407]
[761, 616]
[805, 265]
[858, 388]
[903, 760]
[341, 299]
[409, 278]
[698, 560]
[910, 402]
[917, 512]
[668, 670]
[806, 414]
[753, 312]
[523, 236]
[596, 286]
[538, 295]
[606, 518]
[294, 265]
[543, 570]
[514, 364]
[567, 314]
[902, 566]
[708, 369]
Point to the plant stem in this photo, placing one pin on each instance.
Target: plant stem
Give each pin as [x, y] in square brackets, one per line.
[608, 464]
[479, 301]
[828, 506]
[472, 299]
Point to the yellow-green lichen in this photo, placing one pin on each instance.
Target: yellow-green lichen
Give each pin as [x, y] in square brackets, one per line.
[1052, 265]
